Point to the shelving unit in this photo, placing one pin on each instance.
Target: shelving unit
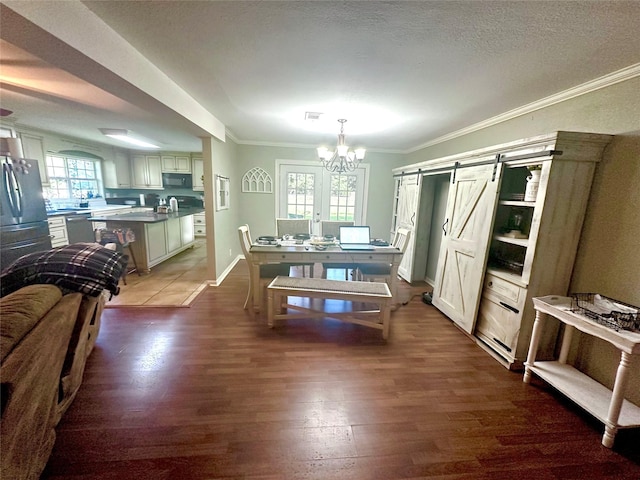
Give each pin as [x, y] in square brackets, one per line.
[543, 261]
[608, 406]
[486, 275]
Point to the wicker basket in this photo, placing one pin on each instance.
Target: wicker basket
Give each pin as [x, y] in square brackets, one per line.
[607, 311]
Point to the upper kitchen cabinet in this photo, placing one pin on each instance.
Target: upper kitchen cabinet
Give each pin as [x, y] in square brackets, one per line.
[33, 148]
[176, 163]
[198, 174]
[116, 171]
[146, 172]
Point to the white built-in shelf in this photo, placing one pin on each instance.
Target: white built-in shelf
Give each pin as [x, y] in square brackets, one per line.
[594, 397]
[522, 242]
[508, 276]
[517, 203]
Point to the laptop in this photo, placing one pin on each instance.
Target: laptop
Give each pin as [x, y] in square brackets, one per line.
[355, 238]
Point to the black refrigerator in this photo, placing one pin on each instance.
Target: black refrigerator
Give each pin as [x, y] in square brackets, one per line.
[23, 215]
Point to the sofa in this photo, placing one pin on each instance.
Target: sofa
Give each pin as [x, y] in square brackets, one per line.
[49, 323]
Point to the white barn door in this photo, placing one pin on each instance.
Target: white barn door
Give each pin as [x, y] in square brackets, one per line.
[465, 245]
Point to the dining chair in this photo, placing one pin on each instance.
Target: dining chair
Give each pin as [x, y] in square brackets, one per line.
[382, 271]
[294, 226]
[267, 272]
[332, 227]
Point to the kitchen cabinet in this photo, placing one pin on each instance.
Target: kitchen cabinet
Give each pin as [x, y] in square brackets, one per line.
[176, 164]
[199, 225]
[163, 240]
[58, 231]
[33, 149]
[173, 234]
[498, 251]
[155, 242]
[146, 172]
[187, 230]
[198, 174]
[116, 170]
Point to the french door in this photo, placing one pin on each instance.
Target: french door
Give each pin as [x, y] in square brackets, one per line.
[309, 191]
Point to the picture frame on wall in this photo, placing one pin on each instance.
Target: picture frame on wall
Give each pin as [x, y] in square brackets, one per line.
[222, 192]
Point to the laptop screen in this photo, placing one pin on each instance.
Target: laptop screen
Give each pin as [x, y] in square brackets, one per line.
[354, 235]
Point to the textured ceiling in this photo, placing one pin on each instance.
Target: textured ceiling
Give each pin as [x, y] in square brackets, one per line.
[402, 73]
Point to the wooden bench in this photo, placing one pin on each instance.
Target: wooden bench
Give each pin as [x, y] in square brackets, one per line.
[377, 293]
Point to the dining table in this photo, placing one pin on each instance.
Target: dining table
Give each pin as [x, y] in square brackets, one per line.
[311, 252]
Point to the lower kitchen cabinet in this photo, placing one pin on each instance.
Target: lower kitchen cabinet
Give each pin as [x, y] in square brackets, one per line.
[173, 234]
[187, 230]
[199, 225]
[155, 242]
[158, 241]
[165, 239]
[58, 231]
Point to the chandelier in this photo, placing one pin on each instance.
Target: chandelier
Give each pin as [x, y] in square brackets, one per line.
[341, 159]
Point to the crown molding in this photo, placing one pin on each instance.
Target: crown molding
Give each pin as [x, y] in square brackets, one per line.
[622, 75]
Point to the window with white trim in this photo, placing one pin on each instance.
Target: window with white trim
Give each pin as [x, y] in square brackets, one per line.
[71, 177]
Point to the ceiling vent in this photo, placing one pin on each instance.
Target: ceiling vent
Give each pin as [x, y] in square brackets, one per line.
[312, 115]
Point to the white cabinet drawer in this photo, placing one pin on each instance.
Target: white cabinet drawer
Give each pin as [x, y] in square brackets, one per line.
[199, 225]
[58, 231]
[498, 326]
[58, 221]
[510, 291]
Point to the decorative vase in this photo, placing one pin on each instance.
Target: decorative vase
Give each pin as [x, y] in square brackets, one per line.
[533, 182]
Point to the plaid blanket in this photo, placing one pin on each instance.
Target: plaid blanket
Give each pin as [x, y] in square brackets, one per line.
[87, 268]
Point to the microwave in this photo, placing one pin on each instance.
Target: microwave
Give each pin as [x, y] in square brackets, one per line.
[177, 180]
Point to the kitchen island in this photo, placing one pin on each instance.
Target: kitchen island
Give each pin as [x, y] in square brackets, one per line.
[159, 236]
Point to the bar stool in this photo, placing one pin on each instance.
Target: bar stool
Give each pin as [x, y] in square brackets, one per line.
[121, 238]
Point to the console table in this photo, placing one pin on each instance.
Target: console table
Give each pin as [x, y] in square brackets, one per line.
[608, 406]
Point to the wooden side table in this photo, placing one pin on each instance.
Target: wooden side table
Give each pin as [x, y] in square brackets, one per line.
[608, 406]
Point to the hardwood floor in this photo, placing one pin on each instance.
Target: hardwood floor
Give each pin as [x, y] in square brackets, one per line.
[210, 392]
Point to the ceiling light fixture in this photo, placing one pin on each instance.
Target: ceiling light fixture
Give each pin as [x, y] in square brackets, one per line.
[341, 159]
[125, 136]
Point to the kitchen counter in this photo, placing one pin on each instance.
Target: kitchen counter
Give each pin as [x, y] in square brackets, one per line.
[92, 210]
[144, 217]
[158, 236]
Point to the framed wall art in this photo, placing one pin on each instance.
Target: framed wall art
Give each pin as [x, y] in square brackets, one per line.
[222, 192]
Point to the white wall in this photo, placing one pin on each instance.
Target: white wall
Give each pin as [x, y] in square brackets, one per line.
[258, 209]
[227, 248]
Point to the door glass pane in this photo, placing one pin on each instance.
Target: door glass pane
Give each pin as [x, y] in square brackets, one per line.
[343, 197]
[300, 188]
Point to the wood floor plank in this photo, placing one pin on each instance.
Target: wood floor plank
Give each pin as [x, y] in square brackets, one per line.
[209, 392]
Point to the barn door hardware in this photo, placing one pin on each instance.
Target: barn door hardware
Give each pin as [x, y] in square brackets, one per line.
[495, 167]
[455, 168]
